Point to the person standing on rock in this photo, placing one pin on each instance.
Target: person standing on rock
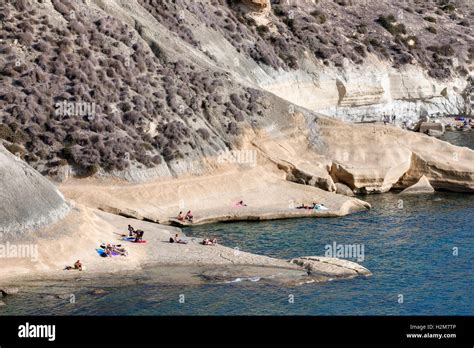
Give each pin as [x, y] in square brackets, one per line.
[131, 231]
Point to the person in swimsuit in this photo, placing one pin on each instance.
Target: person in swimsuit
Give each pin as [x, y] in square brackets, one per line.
[189, 216]
[131, 231]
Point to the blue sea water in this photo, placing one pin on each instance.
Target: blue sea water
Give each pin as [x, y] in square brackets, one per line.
[419, 248]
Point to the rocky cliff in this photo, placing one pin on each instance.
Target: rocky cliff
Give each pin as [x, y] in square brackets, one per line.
[148, 88]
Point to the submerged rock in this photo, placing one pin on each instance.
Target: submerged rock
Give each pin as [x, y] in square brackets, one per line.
[97, 292]
[422, 186]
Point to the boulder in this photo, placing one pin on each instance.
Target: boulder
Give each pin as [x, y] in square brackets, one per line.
[427, 126]
[422, 186]
[344, 189]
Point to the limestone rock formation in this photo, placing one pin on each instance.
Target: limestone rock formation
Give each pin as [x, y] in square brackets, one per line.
[449, 169]
[422, 186]
[330, 265]
[344, 189]
[377, 158]
[29, 200]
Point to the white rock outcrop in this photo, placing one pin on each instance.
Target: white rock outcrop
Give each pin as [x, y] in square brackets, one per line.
[29, 200]
[422, 186]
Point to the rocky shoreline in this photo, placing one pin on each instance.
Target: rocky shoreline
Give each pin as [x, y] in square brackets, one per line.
[289, 171]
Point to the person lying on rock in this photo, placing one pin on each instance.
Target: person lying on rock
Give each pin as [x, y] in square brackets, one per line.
[319, 206]
[208, 241]
[109, 248]
[240, 204]
[77, 265]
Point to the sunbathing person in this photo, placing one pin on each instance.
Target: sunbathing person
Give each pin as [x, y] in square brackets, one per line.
[180, 216]
[77, 265]
[319, 206]
[208, 241]
[189, 216]
[179, 240]
[131, 231]
[120, 251]
[240, 204]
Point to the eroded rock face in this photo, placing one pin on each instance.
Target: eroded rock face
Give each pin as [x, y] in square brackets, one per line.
[367, 158]
[311, 175]
[422, 186]
[377, 158]
[29, 200]
[451, 170]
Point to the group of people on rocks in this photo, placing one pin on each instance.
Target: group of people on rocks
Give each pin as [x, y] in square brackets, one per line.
[206, 241]
[110, 249]
[388, 119]
[138, 234]
[188, 217]
[314, 205]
